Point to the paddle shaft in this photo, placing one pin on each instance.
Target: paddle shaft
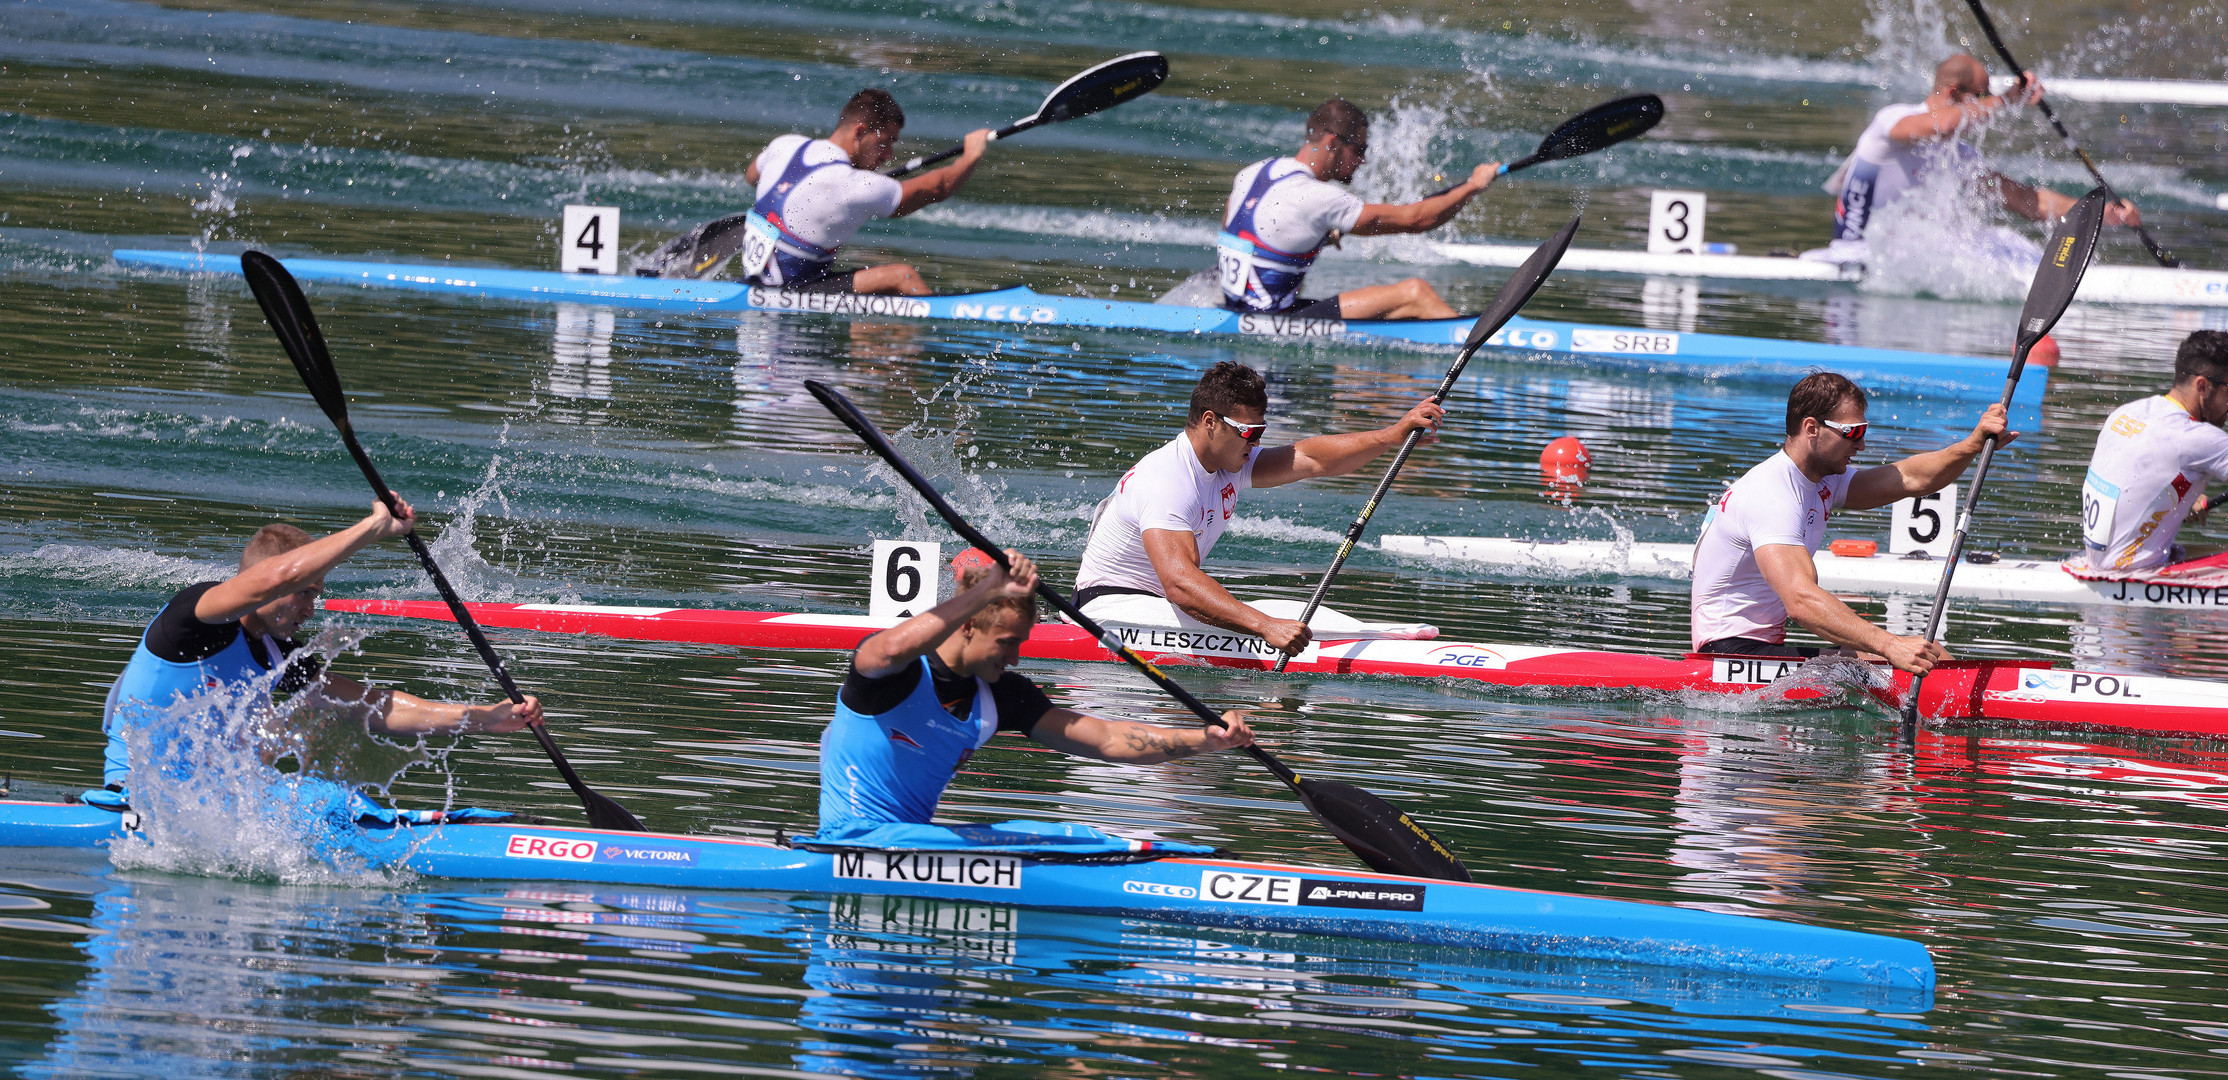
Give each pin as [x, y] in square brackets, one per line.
[919, 163]
[1369, 509]
[457, 609]
[1957, 549]
[1988, 28]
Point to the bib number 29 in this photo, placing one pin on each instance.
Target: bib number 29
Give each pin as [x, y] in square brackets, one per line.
[588, 240]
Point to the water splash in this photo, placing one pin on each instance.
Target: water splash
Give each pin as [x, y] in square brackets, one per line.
[1944, 237]
[209, 784]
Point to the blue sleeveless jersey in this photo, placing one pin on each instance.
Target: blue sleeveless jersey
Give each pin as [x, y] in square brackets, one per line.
[893, 767]
[151, 685]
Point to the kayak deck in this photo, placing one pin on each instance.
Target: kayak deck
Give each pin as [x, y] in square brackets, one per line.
[1197, 891]
[2031, 580]
[1664, 351]
[2029, 691]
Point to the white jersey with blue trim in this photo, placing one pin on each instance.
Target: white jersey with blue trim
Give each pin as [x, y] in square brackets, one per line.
[827, 206]
[1774, 503]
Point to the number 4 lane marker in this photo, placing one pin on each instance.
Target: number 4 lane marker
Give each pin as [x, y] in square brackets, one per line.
[588, 240]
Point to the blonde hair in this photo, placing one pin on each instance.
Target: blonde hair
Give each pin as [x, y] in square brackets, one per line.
[277, 538]
[989, 616]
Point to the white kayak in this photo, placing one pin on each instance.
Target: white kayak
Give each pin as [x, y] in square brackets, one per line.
[2040, 581]
[2101, 285]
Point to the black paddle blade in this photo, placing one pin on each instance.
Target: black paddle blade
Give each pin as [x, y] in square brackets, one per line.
[606, 814]
[1602, 126]
[288, 312]
[1520, 287]
[698, 253]
[1121, 79]
[1386, 838]
[2065, 259]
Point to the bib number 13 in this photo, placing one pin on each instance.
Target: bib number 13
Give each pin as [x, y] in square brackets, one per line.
[1230, 267]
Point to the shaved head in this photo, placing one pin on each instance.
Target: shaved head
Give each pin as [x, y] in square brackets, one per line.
[1962, 72]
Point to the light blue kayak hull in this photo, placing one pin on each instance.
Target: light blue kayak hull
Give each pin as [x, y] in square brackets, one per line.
[1666, 351]
[1198, 891]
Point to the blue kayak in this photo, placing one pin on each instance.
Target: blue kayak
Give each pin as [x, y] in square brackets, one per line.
[1667, 351]
[1204, 891]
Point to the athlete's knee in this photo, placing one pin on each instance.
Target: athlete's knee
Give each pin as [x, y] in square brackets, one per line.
[1416, 288]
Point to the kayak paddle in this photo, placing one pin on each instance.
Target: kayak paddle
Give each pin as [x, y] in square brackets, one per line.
[1514, 294]
[1124, 78]
[1384, 837]
[1603, 126]
[1988, 28]
[2064, 260]
[703, 250]
[290, 317]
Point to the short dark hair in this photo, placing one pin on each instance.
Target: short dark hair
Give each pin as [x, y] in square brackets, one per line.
[2202, 353]
[989, 616]
[1817, 396]
[1339, 117]
[277, 538]
[873, 107]
[1226, 386]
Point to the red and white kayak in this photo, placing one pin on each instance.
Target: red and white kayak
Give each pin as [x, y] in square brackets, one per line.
[2019, 690]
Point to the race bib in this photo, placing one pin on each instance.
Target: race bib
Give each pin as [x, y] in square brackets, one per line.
[758, 247]
[2100, 500]
[1232, 259]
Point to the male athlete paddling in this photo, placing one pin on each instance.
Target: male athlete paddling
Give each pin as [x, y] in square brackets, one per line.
[1904, 144]
[224, 637]
[1753, 565]
[2152, 462]
[1150, 536]
[924, 695]
[814, 194]
[1283, 211]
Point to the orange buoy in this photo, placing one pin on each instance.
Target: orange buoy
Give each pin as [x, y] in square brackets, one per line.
[972, 557]
[2044, 354]
[1565, 459]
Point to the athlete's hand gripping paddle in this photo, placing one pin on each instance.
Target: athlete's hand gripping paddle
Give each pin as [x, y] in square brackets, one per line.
[1385, 838]
[2064, 261]
[1603, 126]
[289, 313]
[1988, 28]
[702, 251]
[1514, 294]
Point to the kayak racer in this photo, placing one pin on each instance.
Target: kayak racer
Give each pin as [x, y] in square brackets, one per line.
[1149, 537]
[2152, 462]
[813, 195]
[1283, 211]
[1905, 143]
[922, 696]
[222, 640]
[1753, 565]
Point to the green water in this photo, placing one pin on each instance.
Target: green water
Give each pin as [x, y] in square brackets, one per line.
[2063, 880]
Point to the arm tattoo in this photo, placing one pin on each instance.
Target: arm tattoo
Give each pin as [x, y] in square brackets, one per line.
[1143, 739]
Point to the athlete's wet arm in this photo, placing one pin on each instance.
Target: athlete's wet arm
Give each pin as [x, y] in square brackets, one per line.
[750, 174]
[1175, 558]
[1424, 215]
[885, 653]
[940, 184]
[1337, 455]
[1133, 743]
[1788, 569]
[302, 568]
[1925, 474]
[392, 712]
